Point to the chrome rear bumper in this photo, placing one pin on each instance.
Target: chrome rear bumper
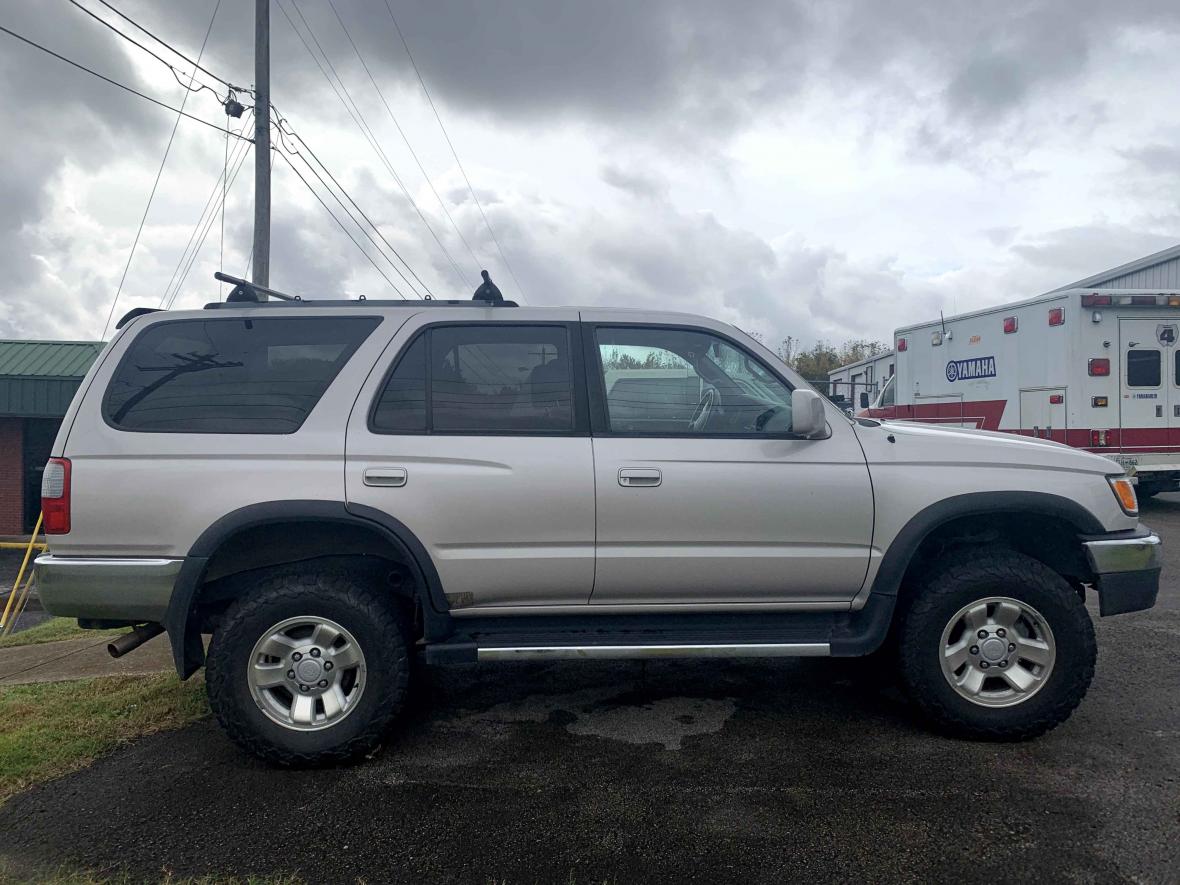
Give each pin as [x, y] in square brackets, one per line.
[107, 589]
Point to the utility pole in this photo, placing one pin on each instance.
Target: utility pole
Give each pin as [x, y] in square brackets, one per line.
[261, 274]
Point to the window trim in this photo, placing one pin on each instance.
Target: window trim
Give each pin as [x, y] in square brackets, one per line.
[104, 403]
[581, 411]
[596, 382]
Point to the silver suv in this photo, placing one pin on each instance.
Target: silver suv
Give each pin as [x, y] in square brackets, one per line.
[337, 490]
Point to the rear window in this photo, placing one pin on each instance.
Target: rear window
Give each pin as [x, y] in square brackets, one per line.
[231, 375]
[1143, 368]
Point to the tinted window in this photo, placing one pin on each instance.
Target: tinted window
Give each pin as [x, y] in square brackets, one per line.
[1143, 368]
[1178, 368]
[677, 381]
[500, 379]
[402, 406]
[231, 375]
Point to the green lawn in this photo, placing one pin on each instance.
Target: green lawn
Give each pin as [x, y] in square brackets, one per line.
[53, 630]
[50, 729]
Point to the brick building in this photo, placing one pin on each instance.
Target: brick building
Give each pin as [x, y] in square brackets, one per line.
[37, 381]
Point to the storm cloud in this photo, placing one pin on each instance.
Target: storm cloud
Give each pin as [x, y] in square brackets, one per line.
[798, 168]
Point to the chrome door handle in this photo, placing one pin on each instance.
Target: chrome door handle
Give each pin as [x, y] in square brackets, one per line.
[647, 477]
[389, 477]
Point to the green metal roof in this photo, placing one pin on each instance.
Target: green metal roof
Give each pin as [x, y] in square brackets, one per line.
[39, 378]
[47, 359]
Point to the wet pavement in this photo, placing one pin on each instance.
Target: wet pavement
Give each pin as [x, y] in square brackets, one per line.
[710, 771]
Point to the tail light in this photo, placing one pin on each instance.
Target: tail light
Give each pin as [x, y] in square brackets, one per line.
[901, 345]
[1099, 367]
[55, 496]
[1010, 325]
[1057, 316]
[1097, 301]
[1099, 438]
[1056, 399]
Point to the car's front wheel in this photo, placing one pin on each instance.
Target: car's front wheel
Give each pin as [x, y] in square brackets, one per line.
[996, 645]
[309, 668]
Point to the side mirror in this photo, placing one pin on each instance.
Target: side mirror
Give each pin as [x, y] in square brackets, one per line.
[864, 399]
[807, 413]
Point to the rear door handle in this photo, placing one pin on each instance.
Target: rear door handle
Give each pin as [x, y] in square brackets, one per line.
[630, 477]
[389, 477]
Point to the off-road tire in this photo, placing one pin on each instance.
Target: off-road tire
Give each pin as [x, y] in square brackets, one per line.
[976, 574]
[376, 623]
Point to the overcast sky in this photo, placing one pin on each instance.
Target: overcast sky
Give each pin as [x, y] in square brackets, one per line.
[820, 170]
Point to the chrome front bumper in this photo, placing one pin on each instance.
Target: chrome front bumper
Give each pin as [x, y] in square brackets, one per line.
[106, 589]
[1126, 570]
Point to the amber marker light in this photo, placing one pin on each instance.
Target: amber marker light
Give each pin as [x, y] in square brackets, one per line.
[1124, 490]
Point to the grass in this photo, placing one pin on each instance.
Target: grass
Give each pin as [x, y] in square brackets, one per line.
[53, 630]
[52, 728]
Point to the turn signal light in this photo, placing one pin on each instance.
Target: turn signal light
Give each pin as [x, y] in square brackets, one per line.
[1124, 490]
[1099, 402]
[55, 496]
[1057, 316]
[1174, 301]
[1099, 368]
[1009, 325]
[1097, 301]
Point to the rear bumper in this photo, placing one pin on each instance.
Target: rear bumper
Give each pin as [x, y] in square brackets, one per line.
[1126, 568]
[106, 589]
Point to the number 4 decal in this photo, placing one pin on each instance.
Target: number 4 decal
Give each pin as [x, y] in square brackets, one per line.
[1166, 334]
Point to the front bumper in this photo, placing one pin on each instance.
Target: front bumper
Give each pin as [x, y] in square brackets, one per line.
[1126, 568]
[106, 589]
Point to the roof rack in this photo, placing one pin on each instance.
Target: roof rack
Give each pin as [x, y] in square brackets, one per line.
[247, 293]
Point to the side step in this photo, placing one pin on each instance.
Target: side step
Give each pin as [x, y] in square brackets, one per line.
[632, 652]
[644, 637]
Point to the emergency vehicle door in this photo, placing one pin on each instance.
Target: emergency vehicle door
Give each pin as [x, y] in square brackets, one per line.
[1147, 348]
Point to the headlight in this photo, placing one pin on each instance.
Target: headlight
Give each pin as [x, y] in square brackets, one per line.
[1124, 490]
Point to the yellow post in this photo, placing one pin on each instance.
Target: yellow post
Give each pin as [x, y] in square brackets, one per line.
[20, 575]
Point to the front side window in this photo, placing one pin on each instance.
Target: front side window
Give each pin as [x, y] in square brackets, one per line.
[887, 395]
[486, 378]
[673, 381]
[227, 375]
[1143, 368]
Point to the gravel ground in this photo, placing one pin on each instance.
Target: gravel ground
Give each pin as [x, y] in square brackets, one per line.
[663, 772]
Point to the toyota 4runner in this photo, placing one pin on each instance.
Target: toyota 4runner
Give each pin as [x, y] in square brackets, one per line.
[335, 490]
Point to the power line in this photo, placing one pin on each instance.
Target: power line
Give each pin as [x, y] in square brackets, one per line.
[282, 138]
[348, 234]
[200, 231]
[132, 40]
[405, 139]
[159, 174]
[125, 88]
[454, 153]
[170, 48]
[358, 119]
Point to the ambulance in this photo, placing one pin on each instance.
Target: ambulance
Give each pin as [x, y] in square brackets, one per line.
[1097, 369]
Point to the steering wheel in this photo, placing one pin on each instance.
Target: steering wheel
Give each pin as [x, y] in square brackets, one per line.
[710, 399]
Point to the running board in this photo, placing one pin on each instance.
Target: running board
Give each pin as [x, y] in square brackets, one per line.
[612, 637]
[634, 652]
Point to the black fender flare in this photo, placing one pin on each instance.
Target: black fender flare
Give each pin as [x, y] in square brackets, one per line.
[187, 649]
[901, 551]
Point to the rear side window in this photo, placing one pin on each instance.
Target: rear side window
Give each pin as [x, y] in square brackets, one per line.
[480, 379]
[231, 375]
[1143, 368]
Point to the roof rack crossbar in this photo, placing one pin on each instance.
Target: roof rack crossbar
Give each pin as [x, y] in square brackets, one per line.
[244, 290]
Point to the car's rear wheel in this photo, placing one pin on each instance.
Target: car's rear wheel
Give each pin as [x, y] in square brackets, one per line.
[309, 668]
[996, 645]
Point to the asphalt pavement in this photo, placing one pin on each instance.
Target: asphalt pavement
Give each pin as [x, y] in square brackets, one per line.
[662, 772]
